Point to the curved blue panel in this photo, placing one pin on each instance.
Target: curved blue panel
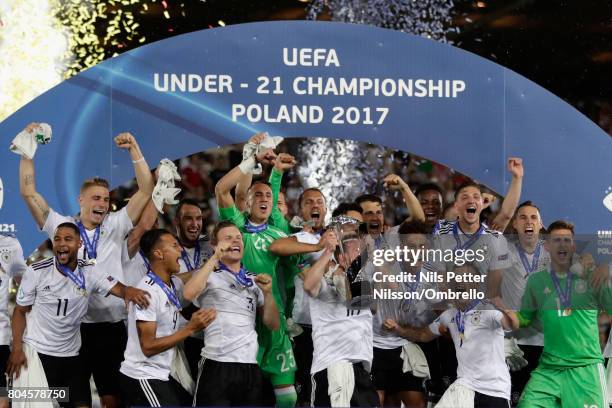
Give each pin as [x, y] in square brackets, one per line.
[498, 114]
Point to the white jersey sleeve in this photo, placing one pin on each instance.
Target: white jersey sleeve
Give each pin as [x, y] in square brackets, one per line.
[442, 320]
[102, 283]
[53, 220]
[27, 288]
[11, 257]
[500, 258]
[150, 313]
[119, 222]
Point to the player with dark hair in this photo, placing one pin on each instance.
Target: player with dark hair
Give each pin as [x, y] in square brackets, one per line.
[54, 294]
[102, 233]
[431, 198]
[153, 332]
[352, 210]
[395, 383]
[570, 372]
[342, 335]
[276, 354]
[468, 233]
[229, 374]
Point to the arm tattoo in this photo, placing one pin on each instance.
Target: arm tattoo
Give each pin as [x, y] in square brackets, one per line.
[28, 179]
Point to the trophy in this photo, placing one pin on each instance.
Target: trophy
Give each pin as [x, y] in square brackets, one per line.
[355, 285]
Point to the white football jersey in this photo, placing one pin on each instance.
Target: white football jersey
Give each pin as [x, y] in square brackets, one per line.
[113, 230]
[301, 307]
[12, 265]
[231, 337]
[166, 316]
[491, 244]
[58, 305]
[480, 356]
[513, 288]
[134, 269]
[608, 350]
[339, 334]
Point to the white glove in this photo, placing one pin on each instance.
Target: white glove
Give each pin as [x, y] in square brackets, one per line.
[168, 172]
[165, 191]
[251, 150]
[26, 142]
[514, 355]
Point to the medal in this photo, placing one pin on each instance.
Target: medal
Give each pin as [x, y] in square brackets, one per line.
[529, 268]
[254, 229]
[196, 258]
[242, 279]
[170, 292]
[79, 280]
[564, 296]
[471, 241]
[91, 247]
[460, 319]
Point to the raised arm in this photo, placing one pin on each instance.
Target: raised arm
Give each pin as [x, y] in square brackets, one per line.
[291, 246]
[224, 186]
[415, 211]
[242, 189]
[152, 345]
[199, 279]
[269, 311]
[513, 196]
[314, 274]
[27, 187]
[420, 335]
[139, 200]
[146, 222]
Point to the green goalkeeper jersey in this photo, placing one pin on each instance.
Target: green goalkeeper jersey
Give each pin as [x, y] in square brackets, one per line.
[257, 256]
[571, 334]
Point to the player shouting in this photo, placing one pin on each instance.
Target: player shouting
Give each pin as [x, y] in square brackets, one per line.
[102, 233]
[229, 374]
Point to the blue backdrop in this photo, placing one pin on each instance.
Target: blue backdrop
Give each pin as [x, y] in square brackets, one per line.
[499, 114]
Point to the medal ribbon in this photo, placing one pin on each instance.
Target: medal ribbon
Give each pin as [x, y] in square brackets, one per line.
[565, 296]
[241, 276]
[145, 260]
[536, 258]
[78, 280]
[91, 247]
[254, 229]
[196, 257]
[170, 292]
[460, 318]
[471, 241]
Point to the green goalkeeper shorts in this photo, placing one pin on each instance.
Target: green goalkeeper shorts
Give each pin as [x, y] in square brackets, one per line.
[578, 387]
[275, 356]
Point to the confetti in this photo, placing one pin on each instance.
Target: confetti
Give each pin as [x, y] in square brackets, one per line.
[429, 18]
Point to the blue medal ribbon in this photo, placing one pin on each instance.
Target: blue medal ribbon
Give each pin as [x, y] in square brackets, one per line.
[565, 296]
[460, 319]
[91, 247]
[196, 257]
[78, 280]
[254, 229]
[145, 260]
[170, 292]
[536, 258]
[471, 241]
[241, 278]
